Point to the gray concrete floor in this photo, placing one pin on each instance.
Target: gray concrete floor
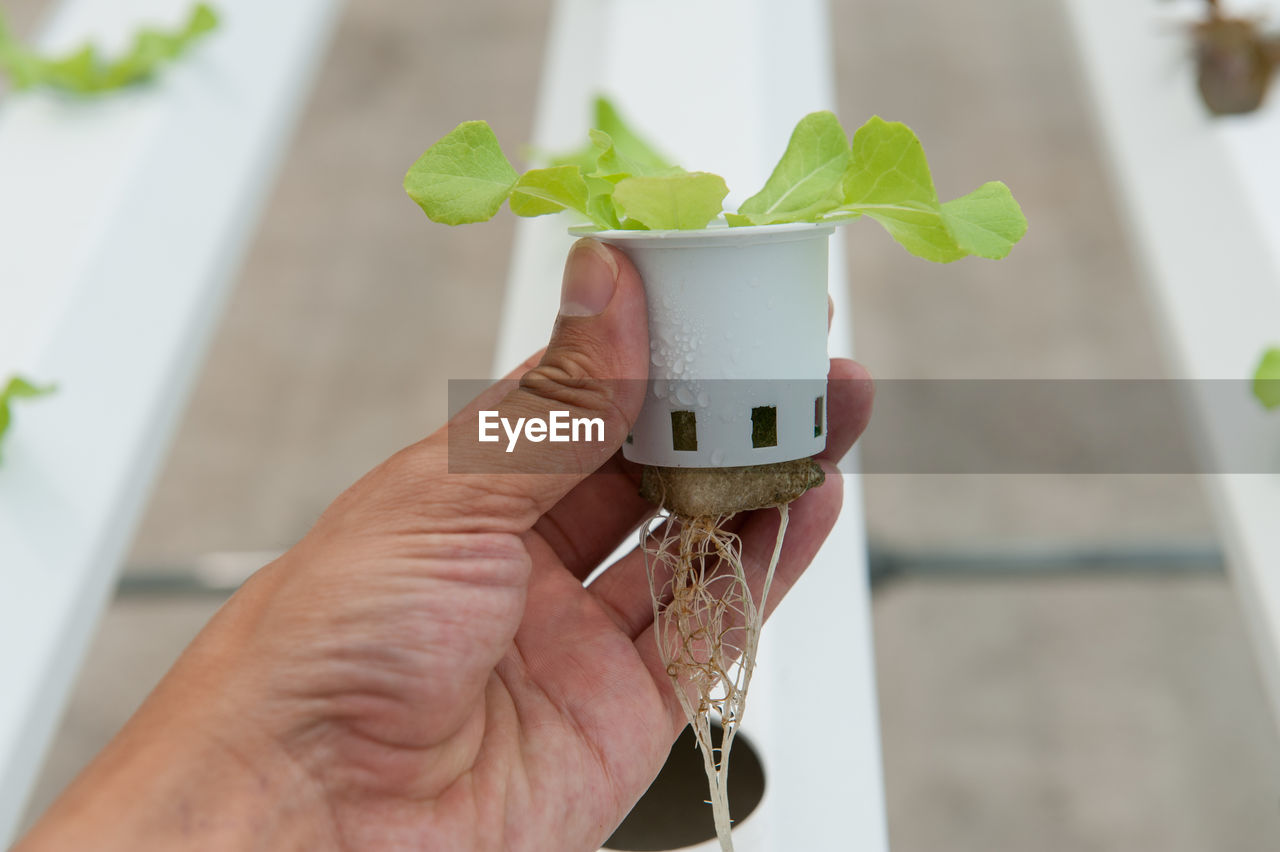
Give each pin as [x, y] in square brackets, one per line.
[1065, 714]
[1072, 713]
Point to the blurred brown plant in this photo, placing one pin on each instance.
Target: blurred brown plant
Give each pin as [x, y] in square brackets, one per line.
[1235, 61]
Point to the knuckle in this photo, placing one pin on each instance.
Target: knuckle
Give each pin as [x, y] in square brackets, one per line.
[565, 378]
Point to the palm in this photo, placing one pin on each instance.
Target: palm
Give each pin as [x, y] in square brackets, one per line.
[544, 719]
[481, 696]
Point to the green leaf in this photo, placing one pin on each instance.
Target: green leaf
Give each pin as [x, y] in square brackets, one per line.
[84, 72]
[614, 153]
[600, 206]
[607, 160]
[889, 180]
[917, 227]
[542, 191]
[463, 178]
[17, 388]
[672, 202]
[1266, 381]
[634, 156]
[888, 166]
[21, 65]
[986, 222]
[644, 158]
[608, 169]
[619, 181]
[808, 179]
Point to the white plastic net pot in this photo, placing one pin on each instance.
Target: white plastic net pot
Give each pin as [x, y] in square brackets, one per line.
[738, 344]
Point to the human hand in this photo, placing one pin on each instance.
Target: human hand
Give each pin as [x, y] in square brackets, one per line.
[426, 669]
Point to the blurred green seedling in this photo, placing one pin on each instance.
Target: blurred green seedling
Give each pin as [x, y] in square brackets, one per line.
[84, 71]
[17, 388]
[1266, 380]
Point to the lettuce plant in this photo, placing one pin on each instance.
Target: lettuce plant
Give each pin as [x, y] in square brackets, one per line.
[1266, 380]
[17, 388]
[696, 572]
[83, 71]
[619, 181]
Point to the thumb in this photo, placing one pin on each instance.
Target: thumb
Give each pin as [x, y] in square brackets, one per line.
[593, 371]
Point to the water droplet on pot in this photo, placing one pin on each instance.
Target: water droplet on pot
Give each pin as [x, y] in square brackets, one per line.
[704, 399]
[684, 396]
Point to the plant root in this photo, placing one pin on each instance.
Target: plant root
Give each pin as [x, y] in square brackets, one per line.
[707, 625]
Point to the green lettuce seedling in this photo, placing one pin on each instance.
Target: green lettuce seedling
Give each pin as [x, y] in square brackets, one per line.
[619, 181]
[85, 72]
[17, 388]
[1266, 381]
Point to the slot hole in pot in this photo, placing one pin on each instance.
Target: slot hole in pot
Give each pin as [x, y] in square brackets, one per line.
[684, 431]
[764, 426]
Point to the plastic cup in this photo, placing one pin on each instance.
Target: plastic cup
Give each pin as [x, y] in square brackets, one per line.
[738, 344]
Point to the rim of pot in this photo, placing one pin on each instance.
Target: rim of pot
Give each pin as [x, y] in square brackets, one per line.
[717, 233]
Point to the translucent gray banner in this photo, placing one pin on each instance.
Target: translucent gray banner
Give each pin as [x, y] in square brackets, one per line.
[936, 426]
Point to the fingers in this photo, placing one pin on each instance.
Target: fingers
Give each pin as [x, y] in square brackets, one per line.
[585, 527]
[601, 511]
[850, 394]
[624, 587]
[493, 394]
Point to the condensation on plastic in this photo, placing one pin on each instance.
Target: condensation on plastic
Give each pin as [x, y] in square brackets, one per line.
[737, 322]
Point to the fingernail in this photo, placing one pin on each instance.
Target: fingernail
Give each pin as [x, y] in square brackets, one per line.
[590, 277]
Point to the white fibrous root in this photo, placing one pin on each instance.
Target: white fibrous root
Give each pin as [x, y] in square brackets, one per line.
[707, 624]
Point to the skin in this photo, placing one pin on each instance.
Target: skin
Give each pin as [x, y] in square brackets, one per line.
[426, 669]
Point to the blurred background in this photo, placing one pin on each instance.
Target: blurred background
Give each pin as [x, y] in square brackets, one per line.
[1061, 661]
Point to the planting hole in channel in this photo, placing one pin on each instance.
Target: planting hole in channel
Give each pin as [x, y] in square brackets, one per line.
[817, 417]
[673, 813]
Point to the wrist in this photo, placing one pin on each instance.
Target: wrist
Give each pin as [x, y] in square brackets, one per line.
[191, 770]
[191, 791]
